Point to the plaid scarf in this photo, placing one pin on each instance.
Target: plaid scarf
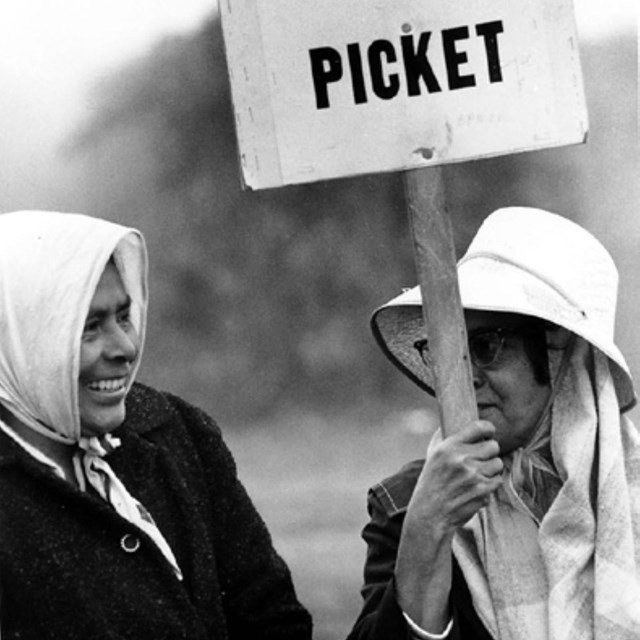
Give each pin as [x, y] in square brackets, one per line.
[575, 573]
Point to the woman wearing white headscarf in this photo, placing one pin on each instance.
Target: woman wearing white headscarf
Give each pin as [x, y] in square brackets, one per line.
[121, 515]
[526, 523]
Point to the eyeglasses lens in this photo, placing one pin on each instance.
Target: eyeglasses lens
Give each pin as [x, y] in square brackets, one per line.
[485, 348]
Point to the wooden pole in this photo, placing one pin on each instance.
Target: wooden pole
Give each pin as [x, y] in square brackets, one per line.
[442, 310]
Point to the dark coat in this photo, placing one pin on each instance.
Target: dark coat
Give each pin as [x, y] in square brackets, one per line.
[381, 618]
[65, 568]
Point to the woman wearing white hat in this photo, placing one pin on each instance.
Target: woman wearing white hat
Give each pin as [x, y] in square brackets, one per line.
[526, 523]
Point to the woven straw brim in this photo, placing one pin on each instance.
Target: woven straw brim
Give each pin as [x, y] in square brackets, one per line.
[398, 325]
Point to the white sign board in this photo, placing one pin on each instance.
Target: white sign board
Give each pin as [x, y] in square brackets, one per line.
[331, 88]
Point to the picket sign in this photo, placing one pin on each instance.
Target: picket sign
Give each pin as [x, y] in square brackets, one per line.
[337, 88]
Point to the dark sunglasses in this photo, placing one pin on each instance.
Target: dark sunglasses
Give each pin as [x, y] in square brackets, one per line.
[485, 346]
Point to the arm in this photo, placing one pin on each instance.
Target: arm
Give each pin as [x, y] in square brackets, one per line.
[461, 473]
[381, 617]
[409, 560]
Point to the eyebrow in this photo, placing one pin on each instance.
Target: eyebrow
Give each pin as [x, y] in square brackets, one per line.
[101, 312]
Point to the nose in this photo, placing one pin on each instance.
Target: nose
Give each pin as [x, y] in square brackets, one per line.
[121, 344]
[477, 376]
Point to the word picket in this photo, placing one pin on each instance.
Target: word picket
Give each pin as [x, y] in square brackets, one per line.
[412, 55]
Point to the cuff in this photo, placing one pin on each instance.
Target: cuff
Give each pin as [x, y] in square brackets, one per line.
[417, 632]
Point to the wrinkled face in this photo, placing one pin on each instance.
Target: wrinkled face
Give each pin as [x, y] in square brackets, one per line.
[507, 391]
[109, 347]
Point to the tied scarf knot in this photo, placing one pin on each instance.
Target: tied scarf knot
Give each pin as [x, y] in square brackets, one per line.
[89, 464]
[99, 446]
[531, 481]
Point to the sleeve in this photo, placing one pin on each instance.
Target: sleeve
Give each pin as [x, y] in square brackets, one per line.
[381, 617]
[258, 594]
[421, 634]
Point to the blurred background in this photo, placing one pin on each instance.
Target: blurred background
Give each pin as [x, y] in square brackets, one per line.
[260, 301]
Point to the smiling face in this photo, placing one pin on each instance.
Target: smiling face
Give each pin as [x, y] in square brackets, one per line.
[110, 345]
[508, 392]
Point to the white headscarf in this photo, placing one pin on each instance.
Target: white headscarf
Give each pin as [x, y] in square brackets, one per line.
[50, 266]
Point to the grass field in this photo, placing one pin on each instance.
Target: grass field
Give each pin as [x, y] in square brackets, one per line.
[308, 476]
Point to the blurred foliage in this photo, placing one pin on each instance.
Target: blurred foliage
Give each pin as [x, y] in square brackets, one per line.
[262, 299]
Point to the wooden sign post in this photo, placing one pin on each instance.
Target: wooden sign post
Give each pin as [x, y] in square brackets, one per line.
[436, 268]
[341, 88]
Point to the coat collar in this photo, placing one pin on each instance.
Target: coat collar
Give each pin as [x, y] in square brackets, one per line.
[147, 410]
[10, 451]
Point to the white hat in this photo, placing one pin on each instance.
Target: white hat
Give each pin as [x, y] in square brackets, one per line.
[525, 261]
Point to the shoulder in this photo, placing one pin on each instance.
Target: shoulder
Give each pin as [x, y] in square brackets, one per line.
[393, 493]
[148, 409]
[160, 423]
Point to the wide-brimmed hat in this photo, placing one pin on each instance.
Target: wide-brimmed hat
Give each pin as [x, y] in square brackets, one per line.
[525, 261]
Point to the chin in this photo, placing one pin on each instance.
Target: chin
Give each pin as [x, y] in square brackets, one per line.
[99, 424]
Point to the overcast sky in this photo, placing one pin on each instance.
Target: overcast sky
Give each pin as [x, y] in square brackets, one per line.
[67, 41]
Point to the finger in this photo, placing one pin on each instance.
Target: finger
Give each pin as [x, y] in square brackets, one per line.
[492, 468]
[494, 483]
[485, 450]
[466, 507]
[475, 431]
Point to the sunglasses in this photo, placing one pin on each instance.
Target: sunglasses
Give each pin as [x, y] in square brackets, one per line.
[485, 346]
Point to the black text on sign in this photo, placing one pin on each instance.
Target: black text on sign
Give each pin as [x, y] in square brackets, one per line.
[380, 64]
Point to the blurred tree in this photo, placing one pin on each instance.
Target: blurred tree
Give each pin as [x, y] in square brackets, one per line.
[262, 299]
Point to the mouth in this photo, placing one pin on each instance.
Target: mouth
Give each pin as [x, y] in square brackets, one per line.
[483, 407]
[108, 385]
